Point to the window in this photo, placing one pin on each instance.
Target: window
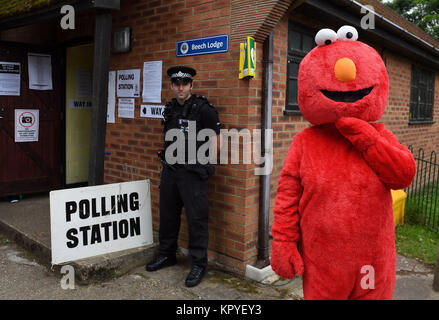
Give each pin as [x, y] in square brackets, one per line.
[300, 42]
[421, 96]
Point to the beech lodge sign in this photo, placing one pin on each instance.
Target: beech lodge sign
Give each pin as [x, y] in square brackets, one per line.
[90, 221]
[191, 47]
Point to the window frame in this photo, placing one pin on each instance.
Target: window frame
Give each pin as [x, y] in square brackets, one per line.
[295, 55]
[417, 73]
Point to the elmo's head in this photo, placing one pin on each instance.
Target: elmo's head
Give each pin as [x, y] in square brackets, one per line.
[342, 77]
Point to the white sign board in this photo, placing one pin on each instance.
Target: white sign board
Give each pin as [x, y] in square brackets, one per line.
[152, 81]
[151, 111]
[10, 78]
[128, 83]
[40, 71]
[126, 108]
[111, 107]
[91, 221]
[27, 123]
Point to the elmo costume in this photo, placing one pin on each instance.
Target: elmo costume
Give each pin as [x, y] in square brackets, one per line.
[333, 217]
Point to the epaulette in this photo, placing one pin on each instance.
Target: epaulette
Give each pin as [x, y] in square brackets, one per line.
[205, 100]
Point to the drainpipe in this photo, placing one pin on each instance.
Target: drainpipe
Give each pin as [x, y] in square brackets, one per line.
[264, 192]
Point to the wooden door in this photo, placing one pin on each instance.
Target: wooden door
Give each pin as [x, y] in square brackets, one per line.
[29, 167]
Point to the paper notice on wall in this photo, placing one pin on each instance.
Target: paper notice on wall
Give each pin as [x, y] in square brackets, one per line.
[128, 83]
[10, 78]
[40, 71]
[111, 97]
[152, 111]
[84, 83]
[152, 81]
[126, 108]
[27, 123]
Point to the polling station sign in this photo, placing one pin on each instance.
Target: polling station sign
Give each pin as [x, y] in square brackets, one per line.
[191, 47]
[91, 221]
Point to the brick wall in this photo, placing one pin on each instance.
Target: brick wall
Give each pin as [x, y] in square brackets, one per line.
[233, 190]
[396, 116]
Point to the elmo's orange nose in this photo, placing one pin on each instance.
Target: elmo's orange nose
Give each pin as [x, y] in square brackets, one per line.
[345, 70]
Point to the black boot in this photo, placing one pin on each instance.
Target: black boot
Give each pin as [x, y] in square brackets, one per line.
[195, 276]
[160, 262]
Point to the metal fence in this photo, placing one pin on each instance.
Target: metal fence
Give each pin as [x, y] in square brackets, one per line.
[422, 205]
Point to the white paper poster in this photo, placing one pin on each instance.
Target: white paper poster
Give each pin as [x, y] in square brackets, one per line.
[91, 221]
[40, 71]
[152, 111]
[27, 123]
[128, 83]
[152, 81]
[84, 83]
[111, 97]
[126, 108]
[10, 78]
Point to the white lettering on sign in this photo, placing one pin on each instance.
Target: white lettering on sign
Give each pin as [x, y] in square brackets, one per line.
[216, 44]
[95, 220]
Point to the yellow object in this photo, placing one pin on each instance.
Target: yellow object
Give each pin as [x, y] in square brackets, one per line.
[79, 68]
[241, 59]
[247, 58]
[398, 197]
[345, 70]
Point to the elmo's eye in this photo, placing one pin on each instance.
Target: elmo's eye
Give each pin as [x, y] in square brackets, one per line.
[347, 33]
[325, 37]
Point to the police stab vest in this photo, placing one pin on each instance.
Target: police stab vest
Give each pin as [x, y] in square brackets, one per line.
[177, 117]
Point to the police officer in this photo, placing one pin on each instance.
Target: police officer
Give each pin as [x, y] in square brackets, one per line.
[184, 183]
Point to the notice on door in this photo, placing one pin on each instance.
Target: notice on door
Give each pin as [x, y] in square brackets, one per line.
[10, 78]
[90, 221]
[27, 122]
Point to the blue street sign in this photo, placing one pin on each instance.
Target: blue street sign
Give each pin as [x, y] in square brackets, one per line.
[206, 45]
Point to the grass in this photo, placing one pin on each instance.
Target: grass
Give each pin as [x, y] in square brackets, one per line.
[3, 240]
[419, 236]
[422, 208]
[417, 242]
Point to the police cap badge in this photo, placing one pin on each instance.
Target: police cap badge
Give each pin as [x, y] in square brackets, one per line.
[181, 73]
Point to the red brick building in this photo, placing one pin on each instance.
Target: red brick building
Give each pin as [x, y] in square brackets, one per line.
[236, 202]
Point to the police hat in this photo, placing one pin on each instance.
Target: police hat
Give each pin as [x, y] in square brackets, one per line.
[181, 73]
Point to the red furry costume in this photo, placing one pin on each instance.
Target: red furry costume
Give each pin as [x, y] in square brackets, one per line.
[333, 196]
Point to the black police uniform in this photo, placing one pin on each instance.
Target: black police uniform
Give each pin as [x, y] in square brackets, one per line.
[185, 185]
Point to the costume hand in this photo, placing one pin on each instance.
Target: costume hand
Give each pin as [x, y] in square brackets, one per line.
[286, 260]
[359, 132]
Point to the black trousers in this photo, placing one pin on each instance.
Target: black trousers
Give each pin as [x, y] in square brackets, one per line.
[178, 189]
